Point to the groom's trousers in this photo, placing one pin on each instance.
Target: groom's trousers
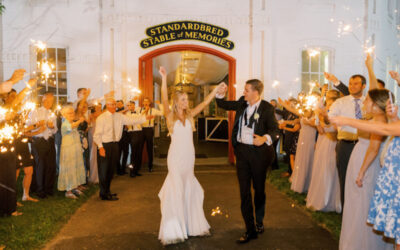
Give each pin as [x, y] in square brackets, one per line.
[251, 165]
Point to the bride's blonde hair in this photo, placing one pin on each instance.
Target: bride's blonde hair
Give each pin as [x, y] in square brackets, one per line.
[173, 115]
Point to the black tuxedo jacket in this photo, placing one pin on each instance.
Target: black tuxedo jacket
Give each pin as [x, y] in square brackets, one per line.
[266, 123]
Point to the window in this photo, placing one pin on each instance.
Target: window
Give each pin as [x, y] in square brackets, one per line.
[314, 64]
[56, 82]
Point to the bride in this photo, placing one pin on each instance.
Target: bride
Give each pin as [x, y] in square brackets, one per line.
[181, 195]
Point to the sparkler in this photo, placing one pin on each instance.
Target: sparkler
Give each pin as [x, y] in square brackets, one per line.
[39, 44]
[313, 52]
[275, 84]
[105, 77]
[369, 50]
[135, 91]
[217, 211]
[46, 68]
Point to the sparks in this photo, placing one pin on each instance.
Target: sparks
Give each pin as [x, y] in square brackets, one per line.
[46, 68]
[313, 52]
[39, 44]
[275, 84]
[347, 28]
[369, 50]
[215, 211]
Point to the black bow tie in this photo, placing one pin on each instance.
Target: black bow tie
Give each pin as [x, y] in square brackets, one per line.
[251, 121]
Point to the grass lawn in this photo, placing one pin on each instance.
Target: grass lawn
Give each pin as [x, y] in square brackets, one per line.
[40, 221]
[331, 221]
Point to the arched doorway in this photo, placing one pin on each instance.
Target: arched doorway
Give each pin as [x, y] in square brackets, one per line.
[146, 76]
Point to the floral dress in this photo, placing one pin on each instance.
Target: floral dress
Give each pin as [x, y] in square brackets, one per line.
[72, 170]
[384, 211]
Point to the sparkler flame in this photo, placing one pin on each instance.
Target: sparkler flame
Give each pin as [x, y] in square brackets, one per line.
[313, 52]
[369, 50]
[39, 44]
[46, 68]
[275, 84]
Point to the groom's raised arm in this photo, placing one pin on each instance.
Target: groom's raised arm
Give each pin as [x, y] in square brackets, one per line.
[227, 105]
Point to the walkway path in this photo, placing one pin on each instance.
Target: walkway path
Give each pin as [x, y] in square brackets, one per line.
[133, 221]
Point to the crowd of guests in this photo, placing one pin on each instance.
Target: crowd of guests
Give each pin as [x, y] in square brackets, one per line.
[339, 154]
[343, 151]
[68, 147]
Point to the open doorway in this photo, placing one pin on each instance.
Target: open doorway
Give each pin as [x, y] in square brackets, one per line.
[196, 70]
[197, 74]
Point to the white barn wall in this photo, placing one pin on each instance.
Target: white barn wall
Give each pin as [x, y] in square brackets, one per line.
[287, 25]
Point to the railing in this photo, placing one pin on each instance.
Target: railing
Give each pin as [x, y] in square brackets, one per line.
[217, 129]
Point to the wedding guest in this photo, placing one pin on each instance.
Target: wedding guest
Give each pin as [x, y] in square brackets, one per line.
[349, 106]
[108, 132]
[305, 148]
[362, 172]
[384, 207]
[43, 146]
[324, 190]
[81, 93]
[291, 126]
[24, 157]
[123, 144]
[8, 192]
[396, 76]
[136, 135]
[373, 81]
[83, 129]
[72, 169]
[93, 173]
[278, 117]
[148, 130]
[18, 75]
[303, 164]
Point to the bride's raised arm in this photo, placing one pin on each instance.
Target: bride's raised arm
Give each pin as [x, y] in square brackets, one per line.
[207, 100]
[164, 91]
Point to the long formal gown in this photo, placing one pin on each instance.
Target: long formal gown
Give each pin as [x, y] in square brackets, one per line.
[304, 159]
[355, 232]
[384, 211]
[324, 191]
[72, 169]
[181, 195]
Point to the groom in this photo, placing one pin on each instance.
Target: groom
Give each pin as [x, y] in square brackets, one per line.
[255, 129]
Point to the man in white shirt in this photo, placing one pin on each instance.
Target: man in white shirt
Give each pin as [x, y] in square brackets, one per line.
[108, 132]
[123, 142]
[348, 106]
[43, 146]
[136, 139]
[148, 129]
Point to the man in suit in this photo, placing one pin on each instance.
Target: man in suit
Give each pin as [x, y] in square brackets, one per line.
[108, 132]
[254, 131]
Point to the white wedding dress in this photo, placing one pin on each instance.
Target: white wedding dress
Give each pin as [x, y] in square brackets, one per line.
[181, 195]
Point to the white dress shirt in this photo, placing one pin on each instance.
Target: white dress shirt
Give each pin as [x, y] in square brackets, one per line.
[43, 114]
[108, 123]
[246, 135]
[152, 111]
[136, 127]
[345, 106]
